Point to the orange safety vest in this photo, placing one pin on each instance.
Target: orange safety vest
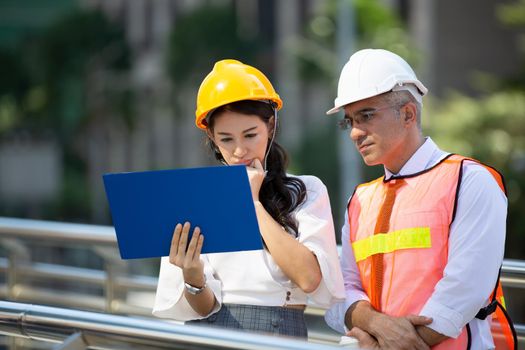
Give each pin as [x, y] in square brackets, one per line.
[415, 248]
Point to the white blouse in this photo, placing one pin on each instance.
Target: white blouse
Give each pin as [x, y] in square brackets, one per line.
[253, 277]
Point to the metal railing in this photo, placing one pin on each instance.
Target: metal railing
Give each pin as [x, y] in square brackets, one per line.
[15, 234]
[119, 292]
[81, 329]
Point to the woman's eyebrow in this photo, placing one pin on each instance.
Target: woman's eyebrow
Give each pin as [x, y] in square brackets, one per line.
[244, 131]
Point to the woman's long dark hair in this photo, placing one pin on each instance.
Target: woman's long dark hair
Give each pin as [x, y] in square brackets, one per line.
[280, 194]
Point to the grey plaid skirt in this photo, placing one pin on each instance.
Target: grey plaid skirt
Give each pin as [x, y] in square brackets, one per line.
[262, 319]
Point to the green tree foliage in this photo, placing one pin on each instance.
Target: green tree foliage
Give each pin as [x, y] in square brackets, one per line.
[13, 86]
[375, 26]
[43, 81]
[76, 46]
[492, 130]
[78, 56]
[204, 36]
[46, 82]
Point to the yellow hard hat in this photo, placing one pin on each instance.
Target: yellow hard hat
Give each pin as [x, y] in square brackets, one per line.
[232, 81]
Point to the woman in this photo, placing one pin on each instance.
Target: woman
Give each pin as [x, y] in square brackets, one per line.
[265, 290]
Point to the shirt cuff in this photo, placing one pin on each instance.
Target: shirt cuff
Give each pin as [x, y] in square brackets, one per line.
[444, 320]
[354, 295]
[335, 317]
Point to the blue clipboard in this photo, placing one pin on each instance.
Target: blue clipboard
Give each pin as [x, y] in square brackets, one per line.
[146, 206]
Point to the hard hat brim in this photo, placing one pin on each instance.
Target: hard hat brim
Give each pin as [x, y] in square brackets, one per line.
[340, 104]
[334, 110]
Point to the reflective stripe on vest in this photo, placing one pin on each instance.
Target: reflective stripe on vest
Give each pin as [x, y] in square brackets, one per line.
[408, 238]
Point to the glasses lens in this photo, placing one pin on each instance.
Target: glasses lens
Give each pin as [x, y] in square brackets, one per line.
[344, 124]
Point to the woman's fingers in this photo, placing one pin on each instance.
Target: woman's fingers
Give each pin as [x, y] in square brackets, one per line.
[183, 241]
[256, 163]
[182, 254]
[200, 242]
[175, 239]
[193, 244]
[256, 176]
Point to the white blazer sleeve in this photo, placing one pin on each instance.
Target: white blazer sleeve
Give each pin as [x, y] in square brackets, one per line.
[170, 301]
[316, 232]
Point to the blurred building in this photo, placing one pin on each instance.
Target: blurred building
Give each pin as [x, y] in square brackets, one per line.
[459, 40]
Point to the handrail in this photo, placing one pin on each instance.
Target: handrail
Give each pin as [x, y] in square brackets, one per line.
[512, 266]
[105, 235]
[57, 231]
[53, 324]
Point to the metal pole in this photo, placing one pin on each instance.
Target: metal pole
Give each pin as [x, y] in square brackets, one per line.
[349, 159]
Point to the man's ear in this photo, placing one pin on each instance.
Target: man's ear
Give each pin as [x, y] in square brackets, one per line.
[410, 113]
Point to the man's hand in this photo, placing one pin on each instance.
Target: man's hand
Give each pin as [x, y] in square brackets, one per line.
[389, 332]
[399, 332]
[366, 341]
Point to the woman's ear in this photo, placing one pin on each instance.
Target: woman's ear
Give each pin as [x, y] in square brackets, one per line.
[212, 140]
[210, 135]
[271, 124]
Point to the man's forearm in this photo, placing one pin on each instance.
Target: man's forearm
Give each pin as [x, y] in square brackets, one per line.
[430, 336]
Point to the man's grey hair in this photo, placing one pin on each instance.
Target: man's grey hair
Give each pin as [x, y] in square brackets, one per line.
[401, 98]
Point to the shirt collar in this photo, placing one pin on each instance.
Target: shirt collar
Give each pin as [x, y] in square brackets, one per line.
[422, 159]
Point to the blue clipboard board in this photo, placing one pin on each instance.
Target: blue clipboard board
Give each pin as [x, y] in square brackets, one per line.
[146, 206]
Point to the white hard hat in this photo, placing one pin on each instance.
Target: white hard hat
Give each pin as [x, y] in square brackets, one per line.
[372, 72]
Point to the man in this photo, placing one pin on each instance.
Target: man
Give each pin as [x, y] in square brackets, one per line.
[421, 246]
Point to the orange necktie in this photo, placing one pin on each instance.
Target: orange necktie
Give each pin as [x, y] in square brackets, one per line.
[382, 226]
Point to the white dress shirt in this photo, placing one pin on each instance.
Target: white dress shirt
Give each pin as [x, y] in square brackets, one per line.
[476, 245]
[253, 277]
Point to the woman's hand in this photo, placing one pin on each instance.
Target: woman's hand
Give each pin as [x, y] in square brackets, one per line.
[256, 176]
[188, 259]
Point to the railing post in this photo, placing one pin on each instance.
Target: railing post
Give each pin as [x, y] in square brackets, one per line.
[16, 253]
[113, 266]
[73, 342]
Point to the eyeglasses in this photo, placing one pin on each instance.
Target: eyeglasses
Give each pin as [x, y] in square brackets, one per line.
[360, 117]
